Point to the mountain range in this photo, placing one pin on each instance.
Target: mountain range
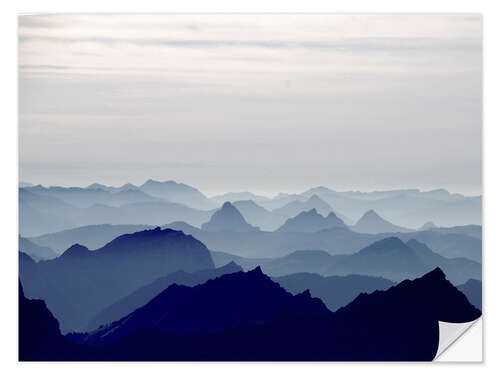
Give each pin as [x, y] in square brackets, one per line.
[335, 240]
[389, 258]
[80, 283]
[44, 210]
[129, 273]
[236, 300]
[91, 236]
[334, 291]
[144, 294]
[398, 324]
[311, 222]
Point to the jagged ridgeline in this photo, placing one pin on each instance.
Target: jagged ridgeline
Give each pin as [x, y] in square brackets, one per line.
[80, 283]
[247, 316]
[162, 272]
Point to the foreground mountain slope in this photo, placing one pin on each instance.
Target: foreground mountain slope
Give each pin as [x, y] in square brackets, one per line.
[144, 294]
[230, 301]
[88, 281]
[473, 290]
[399, 324]
[39, 336]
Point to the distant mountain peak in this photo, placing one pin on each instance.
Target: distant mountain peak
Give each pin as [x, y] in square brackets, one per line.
[311, 221]
[386, 246]
[228, 218]
[371, 212]
[315, 197]
[75, 250]
[389, 241]
[372, 222]
[228, 205]
[173, 191]
[428, 225]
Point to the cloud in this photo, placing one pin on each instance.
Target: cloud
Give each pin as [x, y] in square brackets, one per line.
[343, 45]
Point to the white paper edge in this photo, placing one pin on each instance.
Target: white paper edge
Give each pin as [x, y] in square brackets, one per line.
[460, 342]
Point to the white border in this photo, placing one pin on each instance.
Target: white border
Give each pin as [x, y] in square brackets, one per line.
[8, 185]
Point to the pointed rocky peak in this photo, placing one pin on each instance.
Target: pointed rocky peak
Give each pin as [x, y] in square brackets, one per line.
[372, 222]
[436, 274]
[256, 271]
[228, 218]
[370, 214]
[332, 215]
[310, 222]
[315, 198]
[310, 213]
[431, 295]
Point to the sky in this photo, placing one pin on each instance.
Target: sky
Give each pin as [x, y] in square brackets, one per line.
[262, 103]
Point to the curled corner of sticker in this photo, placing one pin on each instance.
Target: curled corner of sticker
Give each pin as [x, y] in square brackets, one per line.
[451, 332]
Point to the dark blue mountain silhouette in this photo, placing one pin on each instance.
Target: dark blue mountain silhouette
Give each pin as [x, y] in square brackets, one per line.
[334, 291]
[88, 281]
[39, 336]
[144, 294]
[399, 324]
[234, 300]
[311, 221]
[473, 290]
[228, 219]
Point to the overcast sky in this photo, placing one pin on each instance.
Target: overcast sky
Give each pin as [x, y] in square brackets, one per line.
[264, 103]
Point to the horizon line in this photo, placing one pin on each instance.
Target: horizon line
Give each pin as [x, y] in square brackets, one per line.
[267, 194]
